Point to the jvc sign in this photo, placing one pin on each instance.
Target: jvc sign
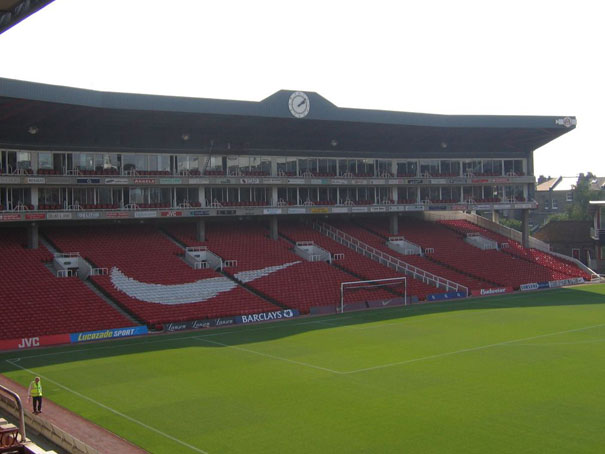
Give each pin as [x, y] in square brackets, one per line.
[29, 342]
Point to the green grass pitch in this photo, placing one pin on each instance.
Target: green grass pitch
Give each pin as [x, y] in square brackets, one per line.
[523, 373]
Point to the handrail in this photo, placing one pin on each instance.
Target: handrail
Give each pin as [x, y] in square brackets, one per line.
[386, 259]
[15, 396]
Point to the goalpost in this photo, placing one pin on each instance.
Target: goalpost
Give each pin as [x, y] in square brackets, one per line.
[377, 291]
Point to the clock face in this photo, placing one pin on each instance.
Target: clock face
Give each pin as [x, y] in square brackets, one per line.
[299, 104]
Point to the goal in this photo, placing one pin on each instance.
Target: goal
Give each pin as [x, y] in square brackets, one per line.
[372, 293]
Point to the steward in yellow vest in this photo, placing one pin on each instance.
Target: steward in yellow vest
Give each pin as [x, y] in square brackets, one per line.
[35, 391]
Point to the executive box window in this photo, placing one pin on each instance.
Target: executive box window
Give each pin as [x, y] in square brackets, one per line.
[471, 167]
[286, 166]
[407, 168]
[513, 167]
[428, 168]
[449, 168]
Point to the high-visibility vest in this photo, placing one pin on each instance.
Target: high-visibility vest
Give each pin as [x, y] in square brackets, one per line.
[36, 389]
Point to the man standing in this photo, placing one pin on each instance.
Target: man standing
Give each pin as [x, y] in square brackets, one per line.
[35, 391]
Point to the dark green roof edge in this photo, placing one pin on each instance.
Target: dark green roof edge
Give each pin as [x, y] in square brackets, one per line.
[274, 106]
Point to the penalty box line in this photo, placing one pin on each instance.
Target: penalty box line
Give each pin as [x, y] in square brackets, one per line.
[267, 355]
[471, 349]
[112, 410]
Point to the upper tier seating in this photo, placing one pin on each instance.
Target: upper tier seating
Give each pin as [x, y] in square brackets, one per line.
[146, 256]
[36, 303]
[557, 264]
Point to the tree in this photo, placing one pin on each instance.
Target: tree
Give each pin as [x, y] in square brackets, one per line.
[582, 194]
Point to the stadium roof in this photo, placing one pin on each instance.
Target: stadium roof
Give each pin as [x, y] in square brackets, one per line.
[14, 11]
[34, 115]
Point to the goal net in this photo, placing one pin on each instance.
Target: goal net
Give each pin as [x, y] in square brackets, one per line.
[372, 293]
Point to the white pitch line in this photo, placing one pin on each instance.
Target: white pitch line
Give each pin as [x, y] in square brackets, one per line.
[129, 418]
[267, 355]
[465, 350]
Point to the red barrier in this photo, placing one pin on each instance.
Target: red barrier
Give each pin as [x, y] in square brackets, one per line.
[31, 342]
[491, 291]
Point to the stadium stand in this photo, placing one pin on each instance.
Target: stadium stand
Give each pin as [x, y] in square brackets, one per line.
[374, 233]
[146, 256]
[302, 285]
[36, 303]
[494, 266]
[514, 248]
[358, 265]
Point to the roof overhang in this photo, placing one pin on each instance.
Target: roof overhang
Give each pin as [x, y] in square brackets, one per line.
[14, 11]
[36, 115]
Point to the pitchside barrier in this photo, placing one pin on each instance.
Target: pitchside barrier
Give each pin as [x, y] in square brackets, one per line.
[61, 339]
[552, 284]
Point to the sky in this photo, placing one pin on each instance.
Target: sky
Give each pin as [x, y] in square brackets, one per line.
[529, 57]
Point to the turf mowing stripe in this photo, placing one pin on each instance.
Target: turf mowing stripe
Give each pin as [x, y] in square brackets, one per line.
[465, 350]
[129, 418]
[279, 358]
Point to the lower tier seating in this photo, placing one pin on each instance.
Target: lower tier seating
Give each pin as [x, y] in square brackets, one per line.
[36, 303]
[142, 255]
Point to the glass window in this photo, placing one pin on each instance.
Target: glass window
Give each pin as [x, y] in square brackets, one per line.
[366, 168]
[132, 162]
[49, 196]
[24, 160]
[383, 168]
[471, 167]
[429, 168]
[407, 168]
[45, 160]
[449, 168]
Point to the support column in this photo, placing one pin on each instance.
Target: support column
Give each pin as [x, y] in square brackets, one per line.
[32, 236]
[525, 227]
[393, 224]
[273, 228]
[201, 191]
[274, 196]
[496, 216]
[200, 230]
[34, 197]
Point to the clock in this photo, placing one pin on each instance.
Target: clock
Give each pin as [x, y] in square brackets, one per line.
[299, 104]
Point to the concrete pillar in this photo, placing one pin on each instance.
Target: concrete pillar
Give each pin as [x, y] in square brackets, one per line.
[32, 236]
[525, 227]
[496, 216]
[34, 197]
[273, 228]
[393, 224]
[530, 188]
[201, 191]
[273, 166]
[200, 230]
[274, 196]
[394, 194]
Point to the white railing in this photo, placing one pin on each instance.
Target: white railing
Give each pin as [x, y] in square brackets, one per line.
[200, 265]
[99, 272]
[66, 255]
[338, 256]
[305, 243]
[388, 260]
[196, 249]
[230, 263]
[65, 273]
